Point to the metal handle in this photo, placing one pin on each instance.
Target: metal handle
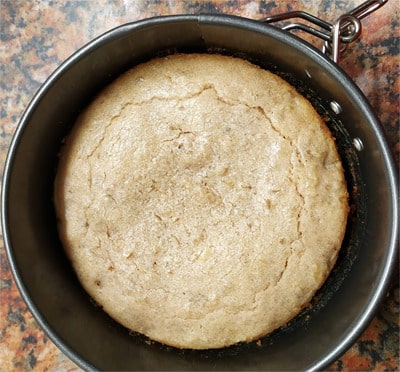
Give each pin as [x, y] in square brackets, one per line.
[336, 36]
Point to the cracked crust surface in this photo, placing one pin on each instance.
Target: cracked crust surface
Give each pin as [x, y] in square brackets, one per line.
[201, 201]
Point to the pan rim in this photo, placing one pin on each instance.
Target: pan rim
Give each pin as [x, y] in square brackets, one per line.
[387, 266]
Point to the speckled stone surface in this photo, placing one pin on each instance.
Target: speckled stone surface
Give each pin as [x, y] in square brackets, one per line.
[36, 36]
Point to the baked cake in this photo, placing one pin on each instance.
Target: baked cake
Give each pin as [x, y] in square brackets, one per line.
[201, 200]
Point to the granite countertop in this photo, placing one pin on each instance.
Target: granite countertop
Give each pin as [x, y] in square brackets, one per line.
[36, 36]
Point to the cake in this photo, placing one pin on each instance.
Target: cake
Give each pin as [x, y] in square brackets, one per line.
[201, 200]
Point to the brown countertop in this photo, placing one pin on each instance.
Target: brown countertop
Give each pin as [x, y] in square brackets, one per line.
[36, 36]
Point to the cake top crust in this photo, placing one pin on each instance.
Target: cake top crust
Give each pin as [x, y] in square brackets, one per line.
[201, 200]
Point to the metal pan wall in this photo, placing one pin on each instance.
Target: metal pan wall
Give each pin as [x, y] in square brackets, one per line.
[343, 306]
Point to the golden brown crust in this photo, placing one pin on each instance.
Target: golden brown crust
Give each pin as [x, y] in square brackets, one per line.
[201, 200]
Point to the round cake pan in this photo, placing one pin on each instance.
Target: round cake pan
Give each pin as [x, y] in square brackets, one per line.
[344, 305]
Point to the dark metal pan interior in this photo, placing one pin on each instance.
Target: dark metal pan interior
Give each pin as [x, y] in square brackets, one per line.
[343, 306]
